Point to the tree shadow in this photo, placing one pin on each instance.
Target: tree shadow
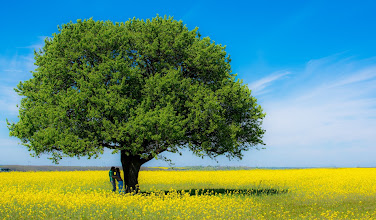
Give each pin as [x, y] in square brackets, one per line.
[249, 192]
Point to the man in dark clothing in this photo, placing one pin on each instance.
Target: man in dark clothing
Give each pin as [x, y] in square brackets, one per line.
[112, 179]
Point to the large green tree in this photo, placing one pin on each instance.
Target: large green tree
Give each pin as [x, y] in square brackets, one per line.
[140, 88]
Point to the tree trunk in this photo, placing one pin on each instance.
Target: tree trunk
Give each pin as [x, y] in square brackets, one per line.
[131, 167]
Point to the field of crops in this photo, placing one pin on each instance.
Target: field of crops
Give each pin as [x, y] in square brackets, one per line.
[242, 194]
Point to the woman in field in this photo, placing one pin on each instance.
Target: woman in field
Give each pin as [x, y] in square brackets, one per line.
[117, 176]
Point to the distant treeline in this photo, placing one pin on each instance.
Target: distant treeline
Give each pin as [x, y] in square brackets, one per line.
[58, 168]
[84, 168]
[218, 168]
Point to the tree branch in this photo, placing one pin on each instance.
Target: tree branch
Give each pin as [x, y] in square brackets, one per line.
[109, 146]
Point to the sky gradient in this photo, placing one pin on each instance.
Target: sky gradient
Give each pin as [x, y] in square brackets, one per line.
[310, 64]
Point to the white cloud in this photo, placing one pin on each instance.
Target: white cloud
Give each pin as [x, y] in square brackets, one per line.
[259, 86]
[37, 45]
[13, 70]
[9, 100]
[321, 115]
[368, 73]
[336, 110]
[17, 67]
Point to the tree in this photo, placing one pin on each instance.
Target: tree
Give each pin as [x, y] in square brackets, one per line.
[140, 88]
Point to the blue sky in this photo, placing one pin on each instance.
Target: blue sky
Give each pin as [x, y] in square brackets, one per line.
[310, 64]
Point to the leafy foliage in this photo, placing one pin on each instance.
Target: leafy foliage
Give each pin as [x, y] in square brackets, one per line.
[142, 87]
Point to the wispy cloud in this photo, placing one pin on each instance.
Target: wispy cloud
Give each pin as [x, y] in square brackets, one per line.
[37, 45]
[336, 109]
[9, 100]
[13, 69]
[16, 68]
[368, 73]
[259, 86]
[323, 114]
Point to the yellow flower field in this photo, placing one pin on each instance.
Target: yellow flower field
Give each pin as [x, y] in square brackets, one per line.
[244, 194]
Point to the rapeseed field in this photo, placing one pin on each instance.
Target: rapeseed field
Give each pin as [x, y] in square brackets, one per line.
[244, 194]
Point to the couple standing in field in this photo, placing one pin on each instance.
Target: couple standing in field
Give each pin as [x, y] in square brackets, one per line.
[115, 176]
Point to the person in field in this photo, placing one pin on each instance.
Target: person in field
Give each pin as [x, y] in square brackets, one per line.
[117, 176]
[112, 179]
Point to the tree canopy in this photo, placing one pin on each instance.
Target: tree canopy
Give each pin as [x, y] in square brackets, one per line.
[138, 87]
